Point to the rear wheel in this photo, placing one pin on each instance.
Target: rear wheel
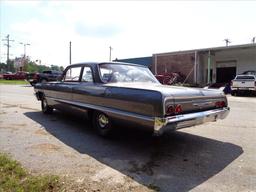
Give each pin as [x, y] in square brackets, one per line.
[46, 109]
[102, 123]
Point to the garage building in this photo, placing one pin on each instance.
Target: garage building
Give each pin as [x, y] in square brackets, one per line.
[210, 65]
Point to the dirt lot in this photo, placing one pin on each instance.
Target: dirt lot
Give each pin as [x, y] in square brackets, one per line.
[214, 157]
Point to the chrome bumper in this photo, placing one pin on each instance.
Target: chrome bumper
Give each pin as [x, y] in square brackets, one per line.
[243, 88]
[188, 120]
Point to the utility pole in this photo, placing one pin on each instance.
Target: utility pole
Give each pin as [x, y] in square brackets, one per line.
[24, 60]
[70, 53]
[25, 45]
[253, 40]
[110, 50]
[227, 41]
[70, 57]
[8, 47]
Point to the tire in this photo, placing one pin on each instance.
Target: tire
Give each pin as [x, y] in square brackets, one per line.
[102, 123]
[46, 109]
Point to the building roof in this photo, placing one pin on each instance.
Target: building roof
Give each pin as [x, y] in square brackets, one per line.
[146, 61]
[243, 46]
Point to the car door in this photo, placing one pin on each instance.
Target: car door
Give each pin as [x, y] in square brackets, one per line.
[63, 88]
[88, 92]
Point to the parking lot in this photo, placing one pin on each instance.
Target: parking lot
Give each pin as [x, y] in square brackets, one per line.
[218, 156]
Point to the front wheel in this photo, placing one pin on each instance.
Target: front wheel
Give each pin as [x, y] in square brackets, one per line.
[102, 123]
[46, 109]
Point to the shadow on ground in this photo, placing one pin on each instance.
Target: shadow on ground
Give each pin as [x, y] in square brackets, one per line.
[173, 162]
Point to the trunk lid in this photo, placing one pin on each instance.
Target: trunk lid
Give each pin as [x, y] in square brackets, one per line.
[190, 99]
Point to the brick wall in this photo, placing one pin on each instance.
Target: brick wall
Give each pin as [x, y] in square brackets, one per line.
[182, 63]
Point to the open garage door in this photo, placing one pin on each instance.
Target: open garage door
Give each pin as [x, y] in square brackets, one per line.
[225, 74]
[225, 71]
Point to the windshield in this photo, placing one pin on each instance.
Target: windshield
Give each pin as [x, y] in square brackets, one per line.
[115, 73]
[242, 77]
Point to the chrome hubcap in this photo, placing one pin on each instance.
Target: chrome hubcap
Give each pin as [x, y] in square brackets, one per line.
[103, 120]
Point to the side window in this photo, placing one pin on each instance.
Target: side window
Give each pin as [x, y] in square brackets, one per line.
[73, 74]
[106, 74]
[87, 75]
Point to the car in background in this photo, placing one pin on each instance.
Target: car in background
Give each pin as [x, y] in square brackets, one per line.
[20, 75]
[112, 92]
[45, 76]
[170, 78]
[249, 73]
[243, 83]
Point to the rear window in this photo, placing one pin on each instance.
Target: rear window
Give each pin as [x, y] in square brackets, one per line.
[242, 77]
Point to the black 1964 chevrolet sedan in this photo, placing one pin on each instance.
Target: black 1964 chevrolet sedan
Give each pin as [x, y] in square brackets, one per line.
[119, 92]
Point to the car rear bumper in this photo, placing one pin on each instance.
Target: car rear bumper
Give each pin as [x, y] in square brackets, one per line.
[243, 88]
[188, 120]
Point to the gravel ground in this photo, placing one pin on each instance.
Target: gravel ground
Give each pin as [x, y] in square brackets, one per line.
[214, 157]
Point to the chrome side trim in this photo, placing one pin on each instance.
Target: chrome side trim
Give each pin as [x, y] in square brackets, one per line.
[105, 109]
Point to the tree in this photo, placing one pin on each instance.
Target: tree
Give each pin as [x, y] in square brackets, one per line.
[55, 67]
[11, 66]
[3, 67]
[31, 66]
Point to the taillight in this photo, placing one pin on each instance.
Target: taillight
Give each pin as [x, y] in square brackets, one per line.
[220, 104]
[170, 110]
[178, 109]
[173, 110]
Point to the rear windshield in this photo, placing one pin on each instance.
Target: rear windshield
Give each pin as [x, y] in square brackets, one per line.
[116, 73]
[245, 77]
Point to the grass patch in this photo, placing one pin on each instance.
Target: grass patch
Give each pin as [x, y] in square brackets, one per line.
[13, 177]
[13, 82]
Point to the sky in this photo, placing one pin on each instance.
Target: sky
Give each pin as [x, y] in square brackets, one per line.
[132, 28]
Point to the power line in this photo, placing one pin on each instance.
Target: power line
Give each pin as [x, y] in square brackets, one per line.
[8, 47]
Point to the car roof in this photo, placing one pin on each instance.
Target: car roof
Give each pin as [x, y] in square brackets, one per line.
[98, 63]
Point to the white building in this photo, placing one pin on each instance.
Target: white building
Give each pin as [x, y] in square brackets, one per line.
[210, 65]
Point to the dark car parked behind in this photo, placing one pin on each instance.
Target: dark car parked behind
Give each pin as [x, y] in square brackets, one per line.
[45, 76]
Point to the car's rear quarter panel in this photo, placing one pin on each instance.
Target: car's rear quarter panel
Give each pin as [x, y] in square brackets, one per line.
[141, 102]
